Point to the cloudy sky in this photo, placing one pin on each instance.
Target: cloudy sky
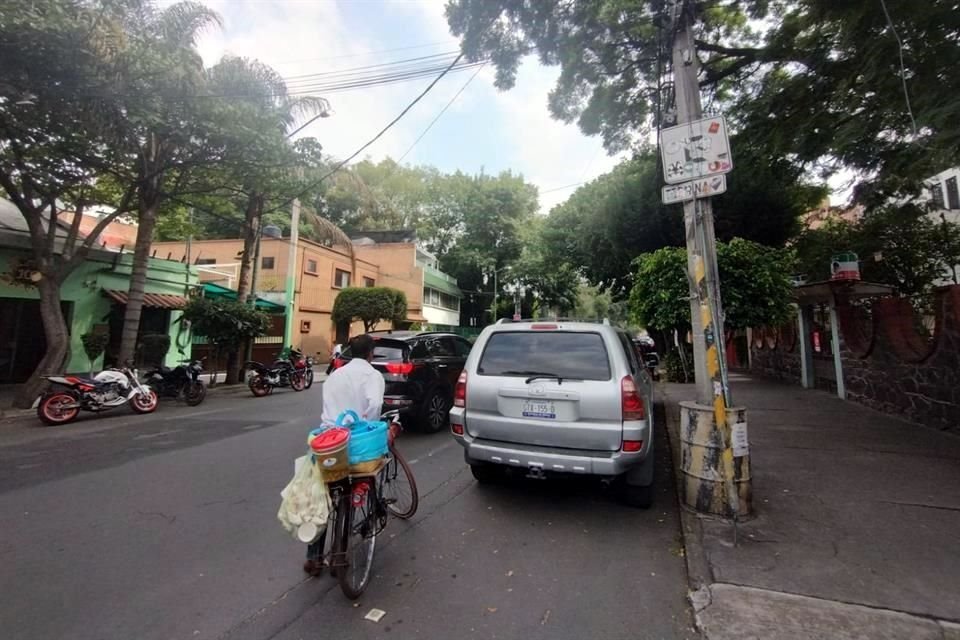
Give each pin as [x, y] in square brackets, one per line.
[484, 129]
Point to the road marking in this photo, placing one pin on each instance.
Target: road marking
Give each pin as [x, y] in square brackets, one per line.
[250, 427]
[431, 453]
[147, 436]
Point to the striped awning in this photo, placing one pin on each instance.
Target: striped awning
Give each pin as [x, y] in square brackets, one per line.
[151, 300]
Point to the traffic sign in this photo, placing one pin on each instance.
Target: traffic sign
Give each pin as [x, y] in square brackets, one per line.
[695, 150]
[702, 188]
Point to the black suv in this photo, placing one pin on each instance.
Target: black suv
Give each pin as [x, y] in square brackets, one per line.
[421, 371]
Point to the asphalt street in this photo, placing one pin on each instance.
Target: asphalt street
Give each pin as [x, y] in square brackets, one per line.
[164, 527]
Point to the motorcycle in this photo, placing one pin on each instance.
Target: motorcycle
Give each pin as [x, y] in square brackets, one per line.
[108, 389]
[296, 359]
[262, 379]
[181, 382]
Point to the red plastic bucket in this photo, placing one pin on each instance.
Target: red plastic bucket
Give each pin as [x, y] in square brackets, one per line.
[330, 448]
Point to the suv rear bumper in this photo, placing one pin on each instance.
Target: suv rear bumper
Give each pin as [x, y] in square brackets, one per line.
[547, 459]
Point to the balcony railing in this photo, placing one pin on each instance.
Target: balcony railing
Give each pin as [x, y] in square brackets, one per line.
[436, 272]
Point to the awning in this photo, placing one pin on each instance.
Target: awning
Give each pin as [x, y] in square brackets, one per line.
[150, 300]
[212, 290]
[851, 289]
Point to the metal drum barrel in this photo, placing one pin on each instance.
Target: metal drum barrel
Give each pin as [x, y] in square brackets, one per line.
[702, 445]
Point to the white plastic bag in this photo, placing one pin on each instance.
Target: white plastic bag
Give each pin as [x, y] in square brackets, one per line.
[305, 499]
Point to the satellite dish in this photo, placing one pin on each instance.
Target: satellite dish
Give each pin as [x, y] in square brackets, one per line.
[272, 231]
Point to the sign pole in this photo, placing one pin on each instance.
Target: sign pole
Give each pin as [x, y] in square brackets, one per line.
[713, 391]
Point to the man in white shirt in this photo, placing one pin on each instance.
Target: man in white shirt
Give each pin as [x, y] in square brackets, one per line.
[356, 387]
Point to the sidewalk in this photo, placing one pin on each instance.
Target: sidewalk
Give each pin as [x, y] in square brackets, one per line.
[857, 525]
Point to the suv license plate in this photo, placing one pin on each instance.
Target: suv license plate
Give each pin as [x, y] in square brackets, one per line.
[539, 410]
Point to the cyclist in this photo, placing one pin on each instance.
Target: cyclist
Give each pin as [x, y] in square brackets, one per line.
[357, 387]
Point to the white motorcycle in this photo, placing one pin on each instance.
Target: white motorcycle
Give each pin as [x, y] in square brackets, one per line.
[108, 389]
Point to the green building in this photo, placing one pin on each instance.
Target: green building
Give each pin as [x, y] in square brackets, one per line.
[93, 298]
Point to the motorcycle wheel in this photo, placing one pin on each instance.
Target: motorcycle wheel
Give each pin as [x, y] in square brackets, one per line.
[145, 402]
[195, 392]
[297, 383]
[308, 379]
[258, 386]
[51, 411]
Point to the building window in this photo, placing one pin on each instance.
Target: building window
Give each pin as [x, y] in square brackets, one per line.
[206, 261]
[439, 299]
[953, 196]
[266, 262]
[369, 282]
[305, 326]
[936, 195]
[341, 279]
[311, 267]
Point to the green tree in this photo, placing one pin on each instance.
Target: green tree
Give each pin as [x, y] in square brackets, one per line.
[608, 222]
[94, 344]
[898, 245]
[226, 324]
[370, 305]
[54, 142]
[829, 70]
[755, 286]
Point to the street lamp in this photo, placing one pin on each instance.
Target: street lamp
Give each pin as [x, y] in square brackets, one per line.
[493, 313]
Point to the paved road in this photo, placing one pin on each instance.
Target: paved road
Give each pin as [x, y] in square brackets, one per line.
[165, 527]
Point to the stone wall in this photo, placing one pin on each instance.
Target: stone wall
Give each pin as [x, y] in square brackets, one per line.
[888, 364]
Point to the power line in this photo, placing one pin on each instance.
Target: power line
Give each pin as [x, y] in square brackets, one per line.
[343, 163]
[366, 53]
[442, 111]
[566, 186]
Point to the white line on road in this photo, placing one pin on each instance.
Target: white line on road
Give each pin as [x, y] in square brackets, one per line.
[432, 452]
[147, 436]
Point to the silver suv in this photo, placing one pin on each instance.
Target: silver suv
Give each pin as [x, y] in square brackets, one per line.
[557, 397]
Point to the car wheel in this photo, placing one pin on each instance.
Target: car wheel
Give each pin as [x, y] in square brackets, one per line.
[487, 473]
[435, 411]
[640, 497]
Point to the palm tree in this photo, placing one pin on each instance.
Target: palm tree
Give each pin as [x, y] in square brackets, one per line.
[164, 76]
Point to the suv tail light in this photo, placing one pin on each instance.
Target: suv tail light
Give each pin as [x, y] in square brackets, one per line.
[460, 392]
[402, 368]
[631, 404]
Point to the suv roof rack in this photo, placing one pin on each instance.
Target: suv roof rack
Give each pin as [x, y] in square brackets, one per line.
[605, 321]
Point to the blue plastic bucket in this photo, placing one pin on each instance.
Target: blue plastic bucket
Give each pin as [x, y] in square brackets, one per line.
[368, 440]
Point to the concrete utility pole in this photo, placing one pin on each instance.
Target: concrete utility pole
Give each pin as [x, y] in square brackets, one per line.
[712, 414]
[697, 214]
[292, 272]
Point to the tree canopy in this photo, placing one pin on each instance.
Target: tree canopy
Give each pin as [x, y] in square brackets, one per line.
[755, 286]
[370, 305]
[814, 81]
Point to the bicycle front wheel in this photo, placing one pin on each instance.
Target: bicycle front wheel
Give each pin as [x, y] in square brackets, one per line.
[398, 487]
[357, 520]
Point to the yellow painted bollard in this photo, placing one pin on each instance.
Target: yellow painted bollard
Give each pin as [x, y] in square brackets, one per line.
[702, 445]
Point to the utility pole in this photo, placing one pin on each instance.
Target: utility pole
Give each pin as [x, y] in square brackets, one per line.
[292, 272]
[712, 413]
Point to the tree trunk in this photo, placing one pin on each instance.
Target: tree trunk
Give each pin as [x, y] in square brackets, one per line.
[138, 277]
[58, 343]
[251, 233]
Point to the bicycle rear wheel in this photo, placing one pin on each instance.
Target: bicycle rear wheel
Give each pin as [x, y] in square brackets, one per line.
[357, 539]
[398, 487]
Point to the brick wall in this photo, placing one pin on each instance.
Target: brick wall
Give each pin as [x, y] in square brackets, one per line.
[889, 363]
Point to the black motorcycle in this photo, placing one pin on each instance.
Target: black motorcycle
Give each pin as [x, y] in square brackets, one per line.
[182, 382]
[262, 379]
[294, 358]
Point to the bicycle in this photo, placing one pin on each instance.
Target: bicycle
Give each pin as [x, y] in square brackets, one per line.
[361, 505]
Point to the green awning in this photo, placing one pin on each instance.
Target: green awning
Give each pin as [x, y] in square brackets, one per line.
[212, 290]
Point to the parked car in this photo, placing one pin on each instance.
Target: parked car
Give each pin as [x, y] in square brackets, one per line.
[421, 370]
[557, 398]
[647, 353]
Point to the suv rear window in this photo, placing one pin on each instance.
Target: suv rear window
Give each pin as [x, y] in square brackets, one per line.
[392, 352]
[574, 356]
